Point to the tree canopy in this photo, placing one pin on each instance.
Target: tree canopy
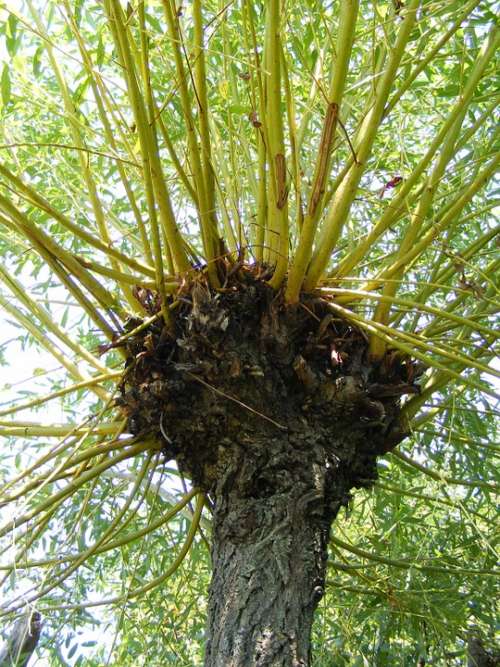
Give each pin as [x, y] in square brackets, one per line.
[348, 148]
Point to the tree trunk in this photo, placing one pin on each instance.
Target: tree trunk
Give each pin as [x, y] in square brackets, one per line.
[276, 412]
[22, 641]
[478, 656]
[273, 510]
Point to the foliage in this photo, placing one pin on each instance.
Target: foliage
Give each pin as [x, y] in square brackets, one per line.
[353, 150]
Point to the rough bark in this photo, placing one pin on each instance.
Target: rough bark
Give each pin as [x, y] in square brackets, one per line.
[22, 641]
[277, 412]
[269, 554]
[478, 656]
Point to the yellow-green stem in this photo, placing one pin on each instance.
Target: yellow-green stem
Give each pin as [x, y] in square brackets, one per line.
[278, 190]
[338, 75]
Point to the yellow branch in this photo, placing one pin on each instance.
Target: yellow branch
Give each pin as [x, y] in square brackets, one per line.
[338, 75]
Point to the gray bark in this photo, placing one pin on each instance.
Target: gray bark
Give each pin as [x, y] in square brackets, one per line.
[273, 510]
[22, 641]
[478, 656]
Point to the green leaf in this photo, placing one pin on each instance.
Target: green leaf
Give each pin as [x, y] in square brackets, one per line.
[37, 61]
[5, 85]
[451, 90]
[238, 108]
[64, 318]
[72, 651]
[12, 40]
[100, 51]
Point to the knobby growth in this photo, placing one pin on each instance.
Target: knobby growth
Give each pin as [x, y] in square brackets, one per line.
[241, 355]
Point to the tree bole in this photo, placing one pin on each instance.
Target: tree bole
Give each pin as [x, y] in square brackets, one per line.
[276, 412]
[273, 510]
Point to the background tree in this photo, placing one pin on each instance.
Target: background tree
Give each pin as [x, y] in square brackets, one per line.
[257, 240]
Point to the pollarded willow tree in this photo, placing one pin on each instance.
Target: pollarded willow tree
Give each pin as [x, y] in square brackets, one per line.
[269, 227]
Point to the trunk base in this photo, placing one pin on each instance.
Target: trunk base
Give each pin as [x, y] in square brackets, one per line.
[273, 511]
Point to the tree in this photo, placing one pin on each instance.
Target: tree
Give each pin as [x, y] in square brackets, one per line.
[269, 225]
